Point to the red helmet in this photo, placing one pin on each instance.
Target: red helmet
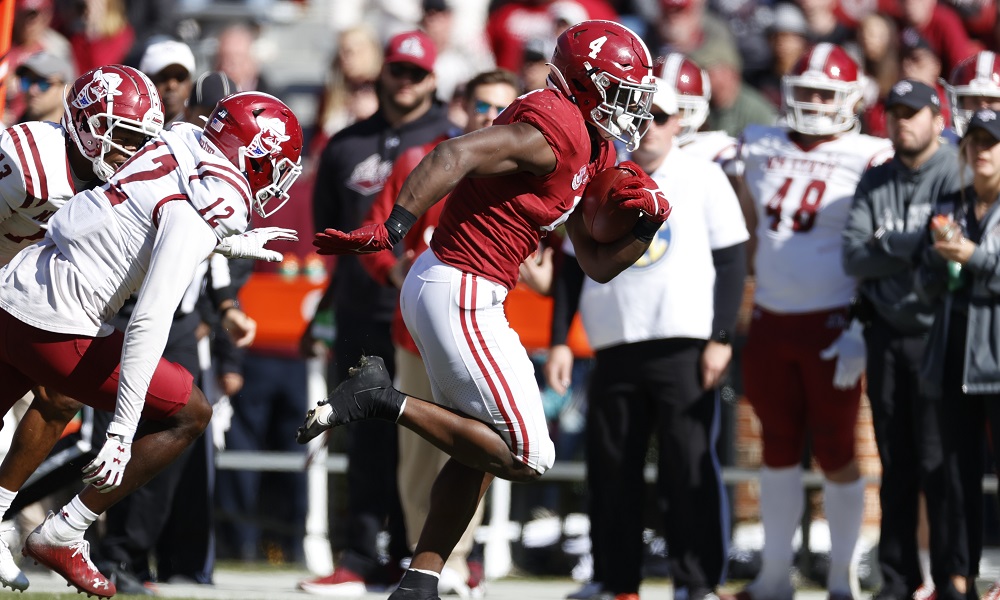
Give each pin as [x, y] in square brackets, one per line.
[978, 76]
[261, 136]
[103, 99]
[693, 89]
[607, 71]
[830, 71]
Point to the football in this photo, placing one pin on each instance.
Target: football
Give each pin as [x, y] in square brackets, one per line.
[601, 215]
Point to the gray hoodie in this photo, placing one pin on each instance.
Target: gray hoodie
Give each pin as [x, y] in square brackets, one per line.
[884, 231]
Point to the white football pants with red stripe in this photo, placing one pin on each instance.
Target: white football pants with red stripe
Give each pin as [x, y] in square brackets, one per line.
[475, 361]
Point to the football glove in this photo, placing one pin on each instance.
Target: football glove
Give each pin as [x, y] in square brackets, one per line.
[640, 192]
[373, 237]
[851, 354]
[251, 244]
[106, 471]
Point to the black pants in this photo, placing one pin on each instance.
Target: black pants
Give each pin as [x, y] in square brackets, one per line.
[909, 446]
[372, 455]
[637, 390]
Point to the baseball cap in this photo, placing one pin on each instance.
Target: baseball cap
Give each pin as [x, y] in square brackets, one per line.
[669, 6]
[537, 49]
[665, 98]
[211, 87]
[435, 6]
[160, 55]
[788, 18]
[413, 47]
[46, 65]
[568, 12]
[914, 94]
[986, 119]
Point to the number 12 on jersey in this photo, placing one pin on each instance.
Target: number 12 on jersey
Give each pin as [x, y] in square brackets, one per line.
[804, 217]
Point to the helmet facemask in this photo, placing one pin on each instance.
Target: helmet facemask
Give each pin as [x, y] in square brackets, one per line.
[624, 112]
[820, 118]
[283, 174]
[694, 113]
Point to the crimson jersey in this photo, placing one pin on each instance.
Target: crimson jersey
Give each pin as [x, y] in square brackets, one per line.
[490, 225]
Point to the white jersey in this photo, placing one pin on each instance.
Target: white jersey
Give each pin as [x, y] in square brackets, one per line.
[35, 181]
[669, 291]
[716, 146]
[144, 231]
[802, 199]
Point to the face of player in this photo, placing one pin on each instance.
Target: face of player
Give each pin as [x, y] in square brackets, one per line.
[487, 101]
[407, 87]
[912, 131]
[977, 102]
[815, 95]
[127, 139]
[982, 153]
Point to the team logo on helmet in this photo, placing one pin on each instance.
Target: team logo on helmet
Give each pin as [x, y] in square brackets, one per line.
[986, 115]
[101, 87]
[269, 139]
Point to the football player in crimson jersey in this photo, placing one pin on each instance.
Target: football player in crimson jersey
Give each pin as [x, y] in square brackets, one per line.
[143, 232]
[804, 357]
[974, 84]
[509, 184]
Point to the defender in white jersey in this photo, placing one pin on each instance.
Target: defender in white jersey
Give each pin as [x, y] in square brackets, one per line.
[143, 232]
[801, 367]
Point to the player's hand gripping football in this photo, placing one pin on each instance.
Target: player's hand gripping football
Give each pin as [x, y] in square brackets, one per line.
[106, 471]
[251, 244]
[640, 192]
[373, 237]
[851, 353]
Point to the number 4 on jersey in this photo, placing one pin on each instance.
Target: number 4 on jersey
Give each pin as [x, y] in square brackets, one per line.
[805, 216]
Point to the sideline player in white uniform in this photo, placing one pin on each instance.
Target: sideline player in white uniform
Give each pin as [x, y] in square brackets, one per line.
[974, 84]
[801, 364]
[661, 333]
[144, 231]
[509, 183]
[694, 91]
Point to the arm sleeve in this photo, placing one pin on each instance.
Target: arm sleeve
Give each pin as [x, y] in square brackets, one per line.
[565, 298]
[182, 241]
[730, 275]
[863, 256]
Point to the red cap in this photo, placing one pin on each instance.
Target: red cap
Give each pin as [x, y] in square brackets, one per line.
[413, 47]
[35, 5]
[674, 5]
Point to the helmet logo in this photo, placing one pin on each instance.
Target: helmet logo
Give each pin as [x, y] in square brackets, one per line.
[101, 87]
[411, 47]
[269, 139]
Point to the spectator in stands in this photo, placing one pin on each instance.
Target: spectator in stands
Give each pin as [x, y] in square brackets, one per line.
[235, 56]
[31, 33]
[458, 60]
[534, 67]
[42, 78]
[661, 355]
[879, 44]
[170, 65]
[919, 62]
[788, 38]
[486, 95]
[352, 171]
[938, 23]
[101, 34]
[885, 228]
[685, 26]
[824, 24]
[348, 93]
[958, 273]
[734, 104]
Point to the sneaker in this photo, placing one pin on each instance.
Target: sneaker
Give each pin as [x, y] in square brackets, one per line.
[71, 560]
[992, 592]
[477, 579]
[342, 583]
[354, 399]
[627, 596]
[926, 591]
[125, 581]
[10, 574]
[452, 584]
[588, 591]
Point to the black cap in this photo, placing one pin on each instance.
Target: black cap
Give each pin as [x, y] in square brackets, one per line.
[914, 94]
[210, 88]
[435, 6]
[986, 119]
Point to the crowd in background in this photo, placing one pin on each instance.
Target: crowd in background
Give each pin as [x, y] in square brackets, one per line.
[744, 47]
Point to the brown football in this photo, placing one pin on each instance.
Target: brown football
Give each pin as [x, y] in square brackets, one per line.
[601, 215]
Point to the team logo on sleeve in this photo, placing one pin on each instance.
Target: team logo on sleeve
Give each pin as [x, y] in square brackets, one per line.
[102, 86]
[269, 139]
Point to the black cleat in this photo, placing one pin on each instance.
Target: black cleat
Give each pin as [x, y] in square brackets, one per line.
[367, 393]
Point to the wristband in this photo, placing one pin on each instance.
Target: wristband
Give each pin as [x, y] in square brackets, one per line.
[645, 230]
[399, 222]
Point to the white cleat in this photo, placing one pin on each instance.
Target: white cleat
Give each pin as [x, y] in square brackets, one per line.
[10, 574]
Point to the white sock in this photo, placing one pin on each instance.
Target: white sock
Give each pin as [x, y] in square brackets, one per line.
[6, 499]
[781, 506]
[71, 522]
[844, 505]
[925, 567]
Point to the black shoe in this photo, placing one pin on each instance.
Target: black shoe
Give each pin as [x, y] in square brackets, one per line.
[416, 586]
[366, 394]
[125, 581]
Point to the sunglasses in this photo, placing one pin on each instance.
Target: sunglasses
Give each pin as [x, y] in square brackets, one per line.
[483, 107]
[660, 118]
[414, 74]
[43, 84]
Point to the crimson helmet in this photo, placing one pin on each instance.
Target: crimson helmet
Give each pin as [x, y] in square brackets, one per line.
[104, 99]
[828, 69]
[977, 76]
[607, 71]
[261, 136]
[693, 89]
